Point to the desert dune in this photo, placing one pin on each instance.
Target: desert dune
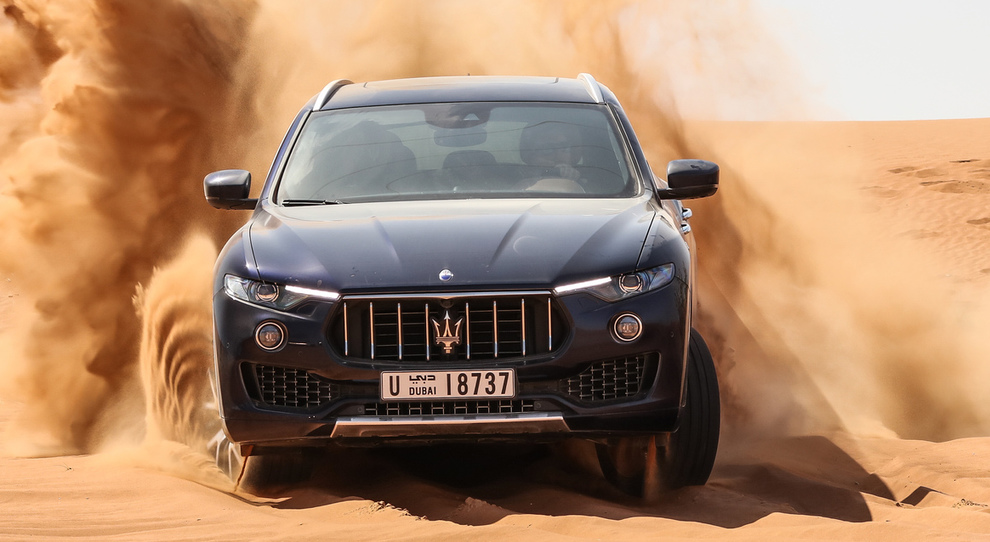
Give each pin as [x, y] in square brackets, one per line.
[822, 486]
[844, 282]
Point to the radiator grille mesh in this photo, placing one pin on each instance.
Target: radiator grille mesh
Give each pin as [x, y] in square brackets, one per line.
[441, 408]
[467, 327]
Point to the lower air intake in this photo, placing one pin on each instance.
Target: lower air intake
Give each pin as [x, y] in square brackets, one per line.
[609, 380]
[292, 388]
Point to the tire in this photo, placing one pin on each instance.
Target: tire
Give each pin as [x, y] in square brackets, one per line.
[278, 469]
[226, 455]
[641, 465]
[259, 472]
[256, 472]
[624, 463]
[690, 451]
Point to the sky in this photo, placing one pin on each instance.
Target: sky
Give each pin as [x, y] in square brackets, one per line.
[888, 59]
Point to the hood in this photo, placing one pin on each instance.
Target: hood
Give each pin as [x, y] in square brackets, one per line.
[484, 243]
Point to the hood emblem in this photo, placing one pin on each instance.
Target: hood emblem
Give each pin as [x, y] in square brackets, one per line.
[447, 338]
[446, 275]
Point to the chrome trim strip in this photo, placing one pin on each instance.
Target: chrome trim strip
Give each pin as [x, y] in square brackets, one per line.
[467, 328]
[522, 312]
[478, 424]
[398, 310]
[371, 315]
[593, 89]
[446, 295]
[550, 324]
[324, 96]
[346, 344]
[426, 310]
[495, 325]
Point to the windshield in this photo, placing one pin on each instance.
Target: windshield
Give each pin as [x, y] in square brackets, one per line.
[457, 150]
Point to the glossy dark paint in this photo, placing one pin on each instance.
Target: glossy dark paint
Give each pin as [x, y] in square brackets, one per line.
[229, 189]
[248, 422]
[488, 244]
[690, 179]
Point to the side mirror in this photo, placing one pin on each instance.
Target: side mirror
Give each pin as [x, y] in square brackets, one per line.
[229, 189]
[687, 179]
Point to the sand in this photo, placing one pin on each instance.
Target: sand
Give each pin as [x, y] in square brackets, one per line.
[925, 186]
[801, 488]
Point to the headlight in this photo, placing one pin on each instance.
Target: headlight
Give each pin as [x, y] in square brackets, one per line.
[623, 286]
[269, 294]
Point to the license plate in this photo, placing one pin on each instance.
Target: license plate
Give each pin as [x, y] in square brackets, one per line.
[427, 385]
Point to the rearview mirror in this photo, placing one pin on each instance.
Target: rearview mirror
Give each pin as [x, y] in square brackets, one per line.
[229, 189]
[687, 179]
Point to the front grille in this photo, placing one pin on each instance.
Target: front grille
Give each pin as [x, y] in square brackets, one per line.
[607, 380]
[294, 388]
[465, 327]
[440, 408]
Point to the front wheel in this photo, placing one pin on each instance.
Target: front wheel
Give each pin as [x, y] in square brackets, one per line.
[227, 456]
[261, 472]
[641, 465]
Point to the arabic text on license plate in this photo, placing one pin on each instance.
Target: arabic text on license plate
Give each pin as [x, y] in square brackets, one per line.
[426, 385]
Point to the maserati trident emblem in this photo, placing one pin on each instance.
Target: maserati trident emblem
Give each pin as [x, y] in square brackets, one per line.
[447, 337]
[446, 275]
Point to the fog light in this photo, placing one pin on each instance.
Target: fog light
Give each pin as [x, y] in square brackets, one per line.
[270, 335]
[627, 327]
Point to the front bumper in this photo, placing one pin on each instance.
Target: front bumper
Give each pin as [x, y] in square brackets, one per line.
[350, 411]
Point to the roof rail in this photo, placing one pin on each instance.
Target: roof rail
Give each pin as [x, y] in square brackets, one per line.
[593, 89]
[324, 96]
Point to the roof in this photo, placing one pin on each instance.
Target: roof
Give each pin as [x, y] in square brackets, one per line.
[343, 94]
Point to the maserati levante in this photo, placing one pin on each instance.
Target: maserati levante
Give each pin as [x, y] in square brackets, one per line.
[466, 259]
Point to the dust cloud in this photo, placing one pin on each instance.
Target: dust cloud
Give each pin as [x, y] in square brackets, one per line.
[112, 111]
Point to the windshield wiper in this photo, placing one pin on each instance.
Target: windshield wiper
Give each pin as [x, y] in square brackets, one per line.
[293, 202]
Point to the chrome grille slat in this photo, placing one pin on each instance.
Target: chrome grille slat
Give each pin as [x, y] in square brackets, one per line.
[371, 313]
[467, 329]
[426, 326]
[503, 326]
[550, 324]
[522, 313]
[495, 325]
[347, 343]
